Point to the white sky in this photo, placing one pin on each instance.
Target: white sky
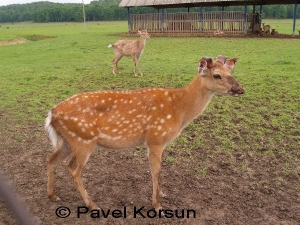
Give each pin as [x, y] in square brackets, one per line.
[9, 2]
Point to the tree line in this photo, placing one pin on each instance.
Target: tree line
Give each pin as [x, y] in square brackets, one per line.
[105, 10]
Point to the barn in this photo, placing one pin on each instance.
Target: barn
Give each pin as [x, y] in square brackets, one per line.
[231, 22]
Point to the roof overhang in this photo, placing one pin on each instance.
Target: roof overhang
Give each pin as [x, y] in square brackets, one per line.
[197, 3]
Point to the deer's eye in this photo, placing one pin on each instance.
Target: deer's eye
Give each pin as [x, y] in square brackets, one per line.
[217, 76]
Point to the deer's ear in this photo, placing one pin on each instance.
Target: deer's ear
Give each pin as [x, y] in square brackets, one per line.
[229, 64]
[139, 32]
[204, 64]
[221, 58]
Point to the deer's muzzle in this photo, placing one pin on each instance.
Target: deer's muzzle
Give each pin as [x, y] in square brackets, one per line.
[236, 90]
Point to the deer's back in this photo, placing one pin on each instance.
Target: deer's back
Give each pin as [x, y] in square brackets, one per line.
[117, 119]
[126, 47]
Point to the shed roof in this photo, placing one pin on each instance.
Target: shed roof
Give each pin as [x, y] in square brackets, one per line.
[194, 3]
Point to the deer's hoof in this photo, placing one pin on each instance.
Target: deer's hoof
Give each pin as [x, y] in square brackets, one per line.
[93, 206]
[54, 198]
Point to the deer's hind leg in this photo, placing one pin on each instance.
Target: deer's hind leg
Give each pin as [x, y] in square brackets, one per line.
[80, 157]
[62, 152]
[155, 155]
[117, 58]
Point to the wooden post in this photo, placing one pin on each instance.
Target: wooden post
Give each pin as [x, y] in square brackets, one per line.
[245, 18]
[162, 19]
[83, 12]
[200, 20]
[260, 13]
[253, 21]
[222, 19]
[128, 19]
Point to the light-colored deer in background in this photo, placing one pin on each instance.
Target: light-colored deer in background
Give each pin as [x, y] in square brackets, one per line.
[133, 48]
[266, 28]
[116, 120]
[274, 32]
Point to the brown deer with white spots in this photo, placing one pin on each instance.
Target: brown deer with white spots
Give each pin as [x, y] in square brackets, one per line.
[117, 120]
[133, 48]
[266, 28]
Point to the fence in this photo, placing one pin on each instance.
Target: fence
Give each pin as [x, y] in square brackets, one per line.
[192, 22]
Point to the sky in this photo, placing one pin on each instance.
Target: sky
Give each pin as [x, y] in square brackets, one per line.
[9, 2]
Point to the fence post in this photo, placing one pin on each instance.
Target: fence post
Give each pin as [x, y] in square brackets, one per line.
[162, 19]
[128, 19]
[245, 18]
[200, 19]
[295, 16]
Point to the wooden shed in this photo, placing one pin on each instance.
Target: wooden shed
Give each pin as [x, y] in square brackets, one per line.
[232, 22]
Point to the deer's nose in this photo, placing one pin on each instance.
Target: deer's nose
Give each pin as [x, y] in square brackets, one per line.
[237, 90]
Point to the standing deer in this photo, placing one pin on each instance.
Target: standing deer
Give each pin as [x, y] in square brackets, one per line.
[116, 120]
[133, 48]
[266, 28]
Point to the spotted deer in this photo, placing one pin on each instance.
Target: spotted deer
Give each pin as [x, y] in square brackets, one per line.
[133, 48]
[266, 28]
[124, 119]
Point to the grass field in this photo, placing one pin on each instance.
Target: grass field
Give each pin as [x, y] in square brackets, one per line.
[283, 26]
[257, 130]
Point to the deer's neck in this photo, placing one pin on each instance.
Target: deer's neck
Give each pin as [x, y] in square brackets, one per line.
[195, 99]
[142, 43]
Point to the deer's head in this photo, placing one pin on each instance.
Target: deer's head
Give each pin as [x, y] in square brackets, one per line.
[216, 75]
[143, 34]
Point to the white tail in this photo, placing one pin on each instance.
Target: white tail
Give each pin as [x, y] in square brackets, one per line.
[52, 133]
[133, 48]
[116, 120]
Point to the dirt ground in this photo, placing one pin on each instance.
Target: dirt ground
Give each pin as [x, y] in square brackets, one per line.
[120, 181]
[13, 42]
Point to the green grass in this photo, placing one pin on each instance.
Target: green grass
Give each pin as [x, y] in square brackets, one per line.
[283, 26]
[38, 74]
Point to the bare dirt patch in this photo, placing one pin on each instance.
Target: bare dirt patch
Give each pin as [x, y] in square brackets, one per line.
[13, 42]
[20, 40]
[224, 194]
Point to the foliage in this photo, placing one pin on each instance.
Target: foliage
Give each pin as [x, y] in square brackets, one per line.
[104, 10]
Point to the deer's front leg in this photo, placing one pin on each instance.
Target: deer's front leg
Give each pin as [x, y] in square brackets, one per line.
[139, 64]
[134, 58]
[155, 154]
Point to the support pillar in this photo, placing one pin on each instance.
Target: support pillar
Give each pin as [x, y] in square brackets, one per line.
[162, 19]
[200, 19]
[295, 17]
[128, 19]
